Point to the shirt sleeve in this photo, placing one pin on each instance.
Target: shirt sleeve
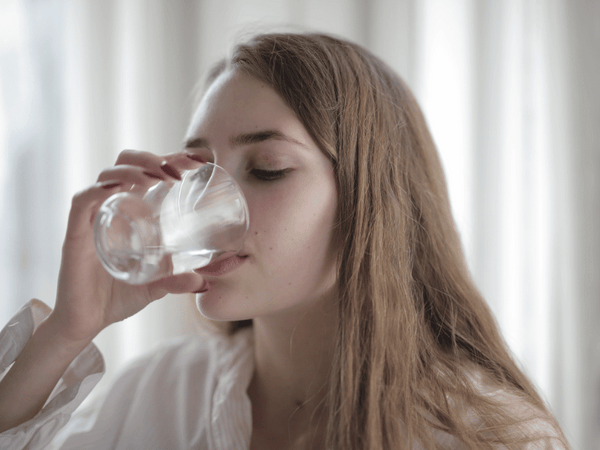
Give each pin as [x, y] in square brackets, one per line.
[74, 386]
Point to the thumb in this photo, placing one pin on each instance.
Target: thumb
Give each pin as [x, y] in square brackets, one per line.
[176, 284]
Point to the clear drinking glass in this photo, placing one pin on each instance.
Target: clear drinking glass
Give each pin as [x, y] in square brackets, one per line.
[173, 228]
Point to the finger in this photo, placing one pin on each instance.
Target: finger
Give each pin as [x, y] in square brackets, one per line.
[185, 160]
[86, 203]
[176, 284]
[171, 164]
[132, 174]
[151, 163]
[139, 158]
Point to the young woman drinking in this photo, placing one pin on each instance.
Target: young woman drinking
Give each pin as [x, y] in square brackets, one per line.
[350, 320]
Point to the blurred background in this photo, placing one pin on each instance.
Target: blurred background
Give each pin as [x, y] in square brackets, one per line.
[509, 88]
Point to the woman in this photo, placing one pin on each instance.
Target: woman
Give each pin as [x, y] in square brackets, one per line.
[367, 331]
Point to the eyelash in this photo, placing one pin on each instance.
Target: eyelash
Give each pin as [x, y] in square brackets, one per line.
[269, 175]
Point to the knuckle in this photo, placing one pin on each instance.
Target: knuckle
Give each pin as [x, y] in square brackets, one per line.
[127, 155]
[105, 173]
[80, 200]
[79, 197]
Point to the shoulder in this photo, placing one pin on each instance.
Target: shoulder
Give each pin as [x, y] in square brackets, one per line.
[538, 425]
[530, 422]
[481, 410]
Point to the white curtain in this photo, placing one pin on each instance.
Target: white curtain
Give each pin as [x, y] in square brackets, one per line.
[509, 90]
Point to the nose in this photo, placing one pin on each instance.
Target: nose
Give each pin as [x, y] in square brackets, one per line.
[235, 169]
[233, 166]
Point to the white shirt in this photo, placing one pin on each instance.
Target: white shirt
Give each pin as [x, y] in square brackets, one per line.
[191, 394]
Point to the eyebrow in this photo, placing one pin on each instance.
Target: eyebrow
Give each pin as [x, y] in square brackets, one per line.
[245, 139]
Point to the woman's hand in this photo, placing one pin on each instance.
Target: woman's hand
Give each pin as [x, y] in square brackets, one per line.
[88, 298]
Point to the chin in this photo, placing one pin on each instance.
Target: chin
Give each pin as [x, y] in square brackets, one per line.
[216, 307]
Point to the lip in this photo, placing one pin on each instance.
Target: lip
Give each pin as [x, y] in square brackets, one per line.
[223, 266]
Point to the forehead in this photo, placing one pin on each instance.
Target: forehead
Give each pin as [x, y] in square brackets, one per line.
[238, 101]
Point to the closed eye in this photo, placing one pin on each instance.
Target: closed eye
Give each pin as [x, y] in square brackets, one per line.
[269, 175]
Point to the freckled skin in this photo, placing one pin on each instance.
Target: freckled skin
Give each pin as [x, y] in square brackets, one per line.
[292, 257]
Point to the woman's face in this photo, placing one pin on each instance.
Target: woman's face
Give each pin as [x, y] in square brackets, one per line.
[289, 258]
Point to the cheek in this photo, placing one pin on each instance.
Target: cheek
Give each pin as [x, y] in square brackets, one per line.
[293, 229]
[293, 255]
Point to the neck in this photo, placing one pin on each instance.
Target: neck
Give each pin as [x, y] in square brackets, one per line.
[293, 354]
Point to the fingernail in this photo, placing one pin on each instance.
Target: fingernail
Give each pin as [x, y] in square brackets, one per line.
[110, 184]
[196, 157]
[170, 170]
[152, 175]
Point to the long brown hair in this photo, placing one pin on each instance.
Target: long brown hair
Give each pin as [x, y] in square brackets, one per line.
[416, 344]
